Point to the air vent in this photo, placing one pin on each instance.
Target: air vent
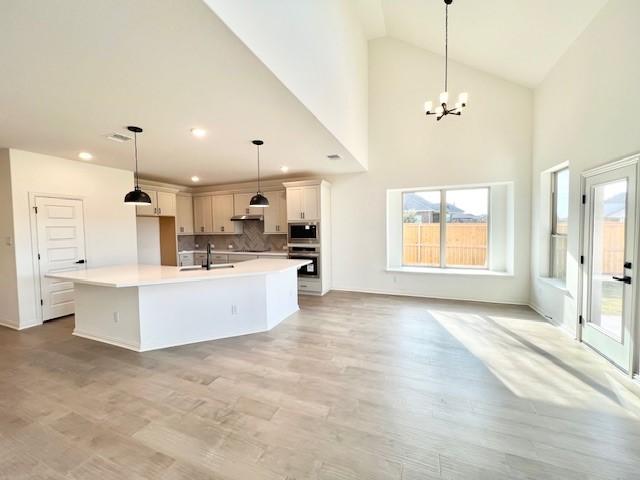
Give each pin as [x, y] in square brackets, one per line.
[118, 137]
[334, 156]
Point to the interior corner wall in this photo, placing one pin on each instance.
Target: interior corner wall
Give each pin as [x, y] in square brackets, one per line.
[489, 143]
[8, 279]
[318, 50]
[586, 114]
[110, 225]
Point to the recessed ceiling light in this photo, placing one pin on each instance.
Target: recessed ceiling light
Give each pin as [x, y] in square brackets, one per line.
[198, 132]
[85, 156]
[284, 169]
[195, 179]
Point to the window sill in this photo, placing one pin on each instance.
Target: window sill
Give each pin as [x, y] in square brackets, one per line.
[450, 271]
[555, 283]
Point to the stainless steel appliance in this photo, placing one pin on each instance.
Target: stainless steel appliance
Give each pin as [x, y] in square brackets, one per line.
[307, 252]
[304, 232]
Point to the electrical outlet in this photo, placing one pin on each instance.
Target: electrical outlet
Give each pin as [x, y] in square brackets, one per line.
[116, 317]
[395, 279]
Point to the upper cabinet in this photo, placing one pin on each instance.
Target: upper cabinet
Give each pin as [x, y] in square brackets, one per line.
[303, 203]
[241, 205]
[275, 215]
[162, 204]
[222, 212]
[166, 204]
[212, 214]
[203, 214]
[184, 214]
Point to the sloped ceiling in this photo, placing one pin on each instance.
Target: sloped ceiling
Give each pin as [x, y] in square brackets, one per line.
[519, 40]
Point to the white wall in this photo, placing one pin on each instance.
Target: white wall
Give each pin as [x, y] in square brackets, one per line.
[148, 229]
[586, 113]
[8, 287]
[317, 50]
[491, 142]
[110, 225]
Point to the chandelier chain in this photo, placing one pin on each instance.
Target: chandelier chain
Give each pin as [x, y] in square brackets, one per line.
[446, 48]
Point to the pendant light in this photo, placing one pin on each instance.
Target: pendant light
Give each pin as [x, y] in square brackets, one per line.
[136, 196]
[444, 108]
[258, 200]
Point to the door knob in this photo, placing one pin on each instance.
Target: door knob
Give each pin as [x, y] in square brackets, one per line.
[625, 279]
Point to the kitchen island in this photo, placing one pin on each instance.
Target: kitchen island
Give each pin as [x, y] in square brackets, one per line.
[148, 307]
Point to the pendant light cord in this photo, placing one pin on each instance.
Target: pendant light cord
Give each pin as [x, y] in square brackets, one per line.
[259, 190]
[446, 48]
[135, 147]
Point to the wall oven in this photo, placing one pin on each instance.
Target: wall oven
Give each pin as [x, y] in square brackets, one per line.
[311, 270]
[304, 232]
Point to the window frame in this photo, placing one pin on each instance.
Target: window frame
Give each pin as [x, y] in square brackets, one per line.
[553, 234]
[443, 228]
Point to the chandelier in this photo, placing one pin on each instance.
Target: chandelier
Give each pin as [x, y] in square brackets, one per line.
[444, 108]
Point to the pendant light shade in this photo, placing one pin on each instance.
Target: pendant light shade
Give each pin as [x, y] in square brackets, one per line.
[136, 196]
[258, 200]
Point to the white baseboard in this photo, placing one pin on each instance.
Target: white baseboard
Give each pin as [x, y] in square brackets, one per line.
[111, 341]
[434, 297]
[18, 328]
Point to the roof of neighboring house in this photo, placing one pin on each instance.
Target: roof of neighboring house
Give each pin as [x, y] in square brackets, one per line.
[415, 201]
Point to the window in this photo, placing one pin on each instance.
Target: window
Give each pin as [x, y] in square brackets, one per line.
[559, 224]
[446, 228]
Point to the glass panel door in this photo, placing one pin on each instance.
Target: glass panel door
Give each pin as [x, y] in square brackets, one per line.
[609, 231]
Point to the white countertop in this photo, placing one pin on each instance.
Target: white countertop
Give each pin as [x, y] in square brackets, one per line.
[140, 275]
[279, 253]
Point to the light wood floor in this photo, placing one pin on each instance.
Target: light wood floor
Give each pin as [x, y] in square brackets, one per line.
[352, 387]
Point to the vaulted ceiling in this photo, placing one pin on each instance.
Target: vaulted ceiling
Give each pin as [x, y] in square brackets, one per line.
[519, 40]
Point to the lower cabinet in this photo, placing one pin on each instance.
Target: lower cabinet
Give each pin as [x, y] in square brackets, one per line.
[241, 258]
[200, 258]
[219, 258]
[185, 259]
[310, 286]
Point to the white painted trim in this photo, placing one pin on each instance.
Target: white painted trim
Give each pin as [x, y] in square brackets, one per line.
[417, 295]
[475, 272]
[21, 327]
[111, 341]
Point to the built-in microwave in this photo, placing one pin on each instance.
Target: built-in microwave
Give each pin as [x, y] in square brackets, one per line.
[304, 232]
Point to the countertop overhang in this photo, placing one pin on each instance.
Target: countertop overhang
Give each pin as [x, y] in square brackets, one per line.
[141, 275]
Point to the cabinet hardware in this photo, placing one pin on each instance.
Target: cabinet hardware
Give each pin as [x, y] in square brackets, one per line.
[222, 228]
[181, 229]
[159, 211]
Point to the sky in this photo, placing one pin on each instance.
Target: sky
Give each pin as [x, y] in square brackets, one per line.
[471, 200]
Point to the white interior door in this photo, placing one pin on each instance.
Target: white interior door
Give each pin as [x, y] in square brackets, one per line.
[609, 268]
[60, 240]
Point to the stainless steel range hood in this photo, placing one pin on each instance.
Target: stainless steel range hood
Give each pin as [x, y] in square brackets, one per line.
[243, 218]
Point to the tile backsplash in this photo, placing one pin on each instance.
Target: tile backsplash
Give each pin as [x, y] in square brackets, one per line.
[252, 238]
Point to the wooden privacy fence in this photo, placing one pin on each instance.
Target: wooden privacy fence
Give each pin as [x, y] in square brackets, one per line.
[466, 244]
